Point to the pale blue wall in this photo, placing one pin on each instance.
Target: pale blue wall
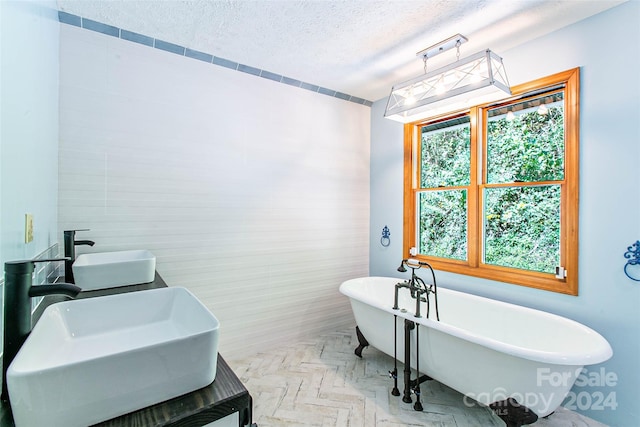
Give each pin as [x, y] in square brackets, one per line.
[606, 47]
[28, 128]
[29, 36]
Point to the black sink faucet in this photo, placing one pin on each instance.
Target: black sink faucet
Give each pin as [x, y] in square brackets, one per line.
[70, 244]
[18, 291]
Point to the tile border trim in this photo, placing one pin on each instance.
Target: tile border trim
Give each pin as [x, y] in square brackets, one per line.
[78, 21]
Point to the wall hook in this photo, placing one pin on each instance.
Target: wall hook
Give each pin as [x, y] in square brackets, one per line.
[633, 255]
[385, 240]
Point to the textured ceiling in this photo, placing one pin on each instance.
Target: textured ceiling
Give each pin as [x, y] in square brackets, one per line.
[358, 47]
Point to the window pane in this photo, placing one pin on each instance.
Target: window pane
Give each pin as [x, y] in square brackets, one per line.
[443, 223]
[445, 154]
[522, 227]
[525, 141]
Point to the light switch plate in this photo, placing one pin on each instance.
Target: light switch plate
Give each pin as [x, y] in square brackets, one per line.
[28, 228]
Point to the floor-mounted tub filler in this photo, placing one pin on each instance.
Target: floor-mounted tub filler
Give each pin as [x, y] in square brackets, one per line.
[512, 358]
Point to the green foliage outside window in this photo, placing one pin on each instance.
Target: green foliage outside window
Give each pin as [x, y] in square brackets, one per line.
[445, 154]
[522, 223]
[528, 147]
[521, 220]
[443, 223]
[445, 157]
[522, 227]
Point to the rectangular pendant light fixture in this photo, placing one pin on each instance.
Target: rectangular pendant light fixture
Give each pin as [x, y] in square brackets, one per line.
[474, 80]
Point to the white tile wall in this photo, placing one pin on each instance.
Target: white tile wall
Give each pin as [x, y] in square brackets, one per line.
[251, 193]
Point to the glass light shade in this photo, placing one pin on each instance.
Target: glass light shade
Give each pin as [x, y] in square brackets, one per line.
[474, 80]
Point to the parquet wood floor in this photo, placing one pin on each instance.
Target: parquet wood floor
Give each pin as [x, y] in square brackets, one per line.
[321, 383]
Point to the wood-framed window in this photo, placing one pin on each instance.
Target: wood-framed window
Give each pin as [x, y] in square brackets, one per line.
[492, 192]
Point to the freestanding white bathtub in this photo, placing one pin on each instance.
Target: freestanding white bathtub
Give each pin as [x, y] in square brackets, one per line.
[487, 350]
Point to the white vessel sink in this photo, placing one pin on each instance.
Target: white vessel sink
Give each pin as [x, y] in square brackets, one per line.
[94, 359]
[110, 269]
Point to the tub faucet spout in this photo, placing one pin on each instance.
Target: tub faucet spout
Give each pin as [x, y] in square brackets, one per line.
[419, 290]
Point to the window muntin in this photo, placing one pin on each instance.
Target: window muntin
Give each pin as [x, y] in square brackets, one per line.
[541, 181]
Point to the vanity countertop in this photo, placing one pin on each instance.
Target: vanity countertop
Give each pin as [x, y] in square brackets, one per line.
[224, 396]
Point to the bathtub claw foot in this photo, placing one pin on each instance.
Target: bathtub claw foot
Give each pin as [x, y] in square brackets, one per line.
[513, 413]
[362, 341]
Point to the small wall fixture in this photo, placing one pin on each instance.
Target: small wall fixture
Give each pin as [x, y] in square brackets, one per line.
[474, 80]
[633, 255]
[385, 240]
